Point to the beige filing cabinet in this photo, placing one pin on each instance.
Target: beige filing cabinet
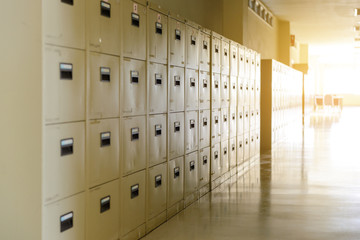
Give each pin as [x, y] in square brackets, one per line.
[103, 20]
[191, 131]
[234, 59]
[225, 56]
[241, 62]
[240, 92]
[191, 89]
[176, 134]
[215, 91]
[204, 166]
[215, 126]
[103, 148]
[134, 25]
[157, 139]
[133, 144]
[246, 146]
[224, 156]
[104, 86]
[233, 91]
[191, 173]
[133, 88]
[232, 123]
[232, 152]
[177, 40]
[157, 189]
[240, 149]
[157, 32]
[224, 124]
[215, 167]
[64, 75]
[205, 47]
[177, 89]
[192, 45]
[204, 128]
[225, 91]
[157, 88]
[246, 119]
[215, 53]
[65, 219]
[240, 121]
[64, 161]
[102, 213]
[58, 16]
[176, 181]
[204, 90]
[132, 205]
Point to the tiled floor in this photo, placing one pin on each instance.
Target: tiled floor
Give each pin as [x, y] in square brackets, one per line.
[308, 188]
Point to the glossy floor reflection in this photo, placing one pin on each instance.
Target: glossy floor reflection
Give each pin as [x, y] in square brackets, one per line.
[308, 188]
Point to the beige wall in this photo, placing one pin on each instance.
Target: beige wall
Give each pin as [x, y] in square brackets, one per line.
[20, 121]
[284, 42]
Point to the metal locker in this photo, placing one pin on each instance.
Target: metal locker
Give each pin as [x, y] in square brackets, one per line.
[64, 23]
[191, 131]
[204, 90]
[157, 88]
[204, 128]
[157, 139]
[215, 52]
[252, 119]
[224, 124]
[177, 89]
[215, 91]
[241, 92]
[65, 219]
[257, 121]
[246, 146]
[64, 75]
[225, 56]
[215, 126]
[252, 94]
[132, 206]
[233, 91]
[157, 189]
[224, 157]
[177, 42]
[192, 89]
[246, 119]
[176, 181]
[103, 147]
[215, 162]
[102, 213]
[104, 86]
[247, 62]
[247, 89]
[257, 147]
[258, 72]
[232, 123]
[232, 152]
[204, 166]
[64, 161]
[204, 55]
[103, 26]
[240, 121]
[252, 66]
[225, 91]
[133, 89]
[234, 59]
[240, 149]
[191, 173]
[192, 45]
[252, 143]
[176, 134]
[133, 152]
[158, 26]
[241, 67]
[134, 25]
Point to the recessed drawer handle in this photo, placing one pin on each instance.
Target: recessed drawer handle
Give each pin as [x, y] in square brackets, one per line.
[66, 221]
[158, 28]
[105, 74]
[66, 71]
[67, 146]
[105, 9]
[135, 135]
[134, 191]
[70, 2]
[192, 166]
[105, 204]
[158, 181]
[135, 19]
[105, 139]
[176, 172]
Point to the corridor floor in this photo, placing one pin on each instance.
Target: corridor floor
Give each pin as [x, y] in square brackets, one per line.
[307, 188]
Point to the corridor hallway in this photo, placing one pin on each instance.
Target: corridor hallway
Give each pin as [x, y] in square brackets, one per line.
[308, 188]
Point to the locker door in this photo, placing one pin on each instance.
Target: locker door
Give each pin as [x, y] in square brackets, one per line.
[232, 123]
[224, 124]
[176, 134]
[240, 149]
[134, 88]
[215, 54]
[252, 119]
[157, 189]
[241, 62]
[192, 89]
[157, 140]
[177, 92]
[232, 152]
[225, 57]
[233, 91]
[191, 173]
[257, 123]
[246, 146]
[215, 91]
[134, 25]
[224, 156]
[215, 161]
[225, 91]
[103, 26]
[204, 52]
[104, 86]
[177, 43]
[247, 119]
[191, 131]
[257, 151]
[204, 166]
[215, 126]
[241, 93]
[204, 89]
[192, 47]
[234, 58]
[252, 143]
[157, 37]
[240, 121]
[204, 128]
[158, 88]
[176, 181]
[247, 63]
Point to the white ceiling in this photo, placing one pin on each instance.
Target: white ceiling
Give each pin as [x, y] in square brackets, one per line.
[318, 21]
